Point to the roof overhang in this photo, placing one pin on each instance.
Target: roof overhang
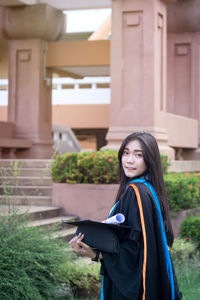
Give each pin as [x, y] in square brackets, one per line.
[79, 58]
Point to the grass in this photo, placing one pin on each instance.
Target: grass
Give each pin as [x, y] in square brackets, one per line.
[188, 275]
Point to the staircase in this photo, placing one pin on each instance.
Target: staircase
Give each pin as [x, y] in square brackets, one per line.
[26, 187]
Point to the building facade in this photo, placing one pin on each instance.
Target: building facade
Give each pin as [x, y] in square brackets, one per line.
[152, 60]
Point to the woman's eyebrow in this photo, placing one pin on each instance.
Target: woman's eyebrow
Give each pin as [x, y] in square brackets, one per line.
[135, 150]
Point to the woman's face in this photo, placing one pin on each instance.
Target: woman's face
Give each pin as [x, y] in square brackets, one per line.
[132, 159]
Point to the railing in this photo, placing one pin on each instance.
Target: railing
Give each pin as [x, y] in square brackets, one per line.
[68, 91]
[65, 140]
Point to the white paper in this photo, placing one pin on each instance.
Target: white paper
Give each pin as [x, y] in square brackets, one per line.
[116, 219]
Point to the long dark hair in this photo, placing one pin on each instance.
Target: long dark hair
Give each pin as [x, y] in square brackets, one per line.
[154, 170]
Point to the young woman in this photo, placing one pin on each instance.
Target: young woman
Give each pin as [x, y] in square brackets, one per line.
[142, 270]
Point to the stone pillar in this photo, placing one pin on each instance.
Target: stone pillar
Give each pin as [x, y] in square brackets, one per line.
[28, 29]
[138, 71]
[183, 97]
[29, 106]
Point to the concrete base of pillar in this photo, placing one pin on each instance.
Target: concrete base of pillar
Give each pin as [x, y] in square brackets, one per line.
[116, 135]
[184, 166]
[38, 150]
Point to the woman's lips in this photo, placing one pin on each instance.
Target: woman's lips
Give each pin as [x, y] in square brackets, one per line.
[130, 169]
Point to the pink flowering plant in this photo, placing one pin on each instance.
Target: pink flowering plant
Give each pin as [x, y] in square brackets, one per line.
[99, 166]
[86, 167]
[65, 169]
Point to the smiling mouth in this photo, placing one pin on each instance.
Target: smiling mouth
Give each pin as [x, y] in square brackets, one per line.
[130, 169]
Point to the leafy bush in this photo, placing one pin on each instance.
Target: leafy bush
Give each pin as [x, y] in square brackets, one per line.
[28, 262]
[183, 190]
[183, 250]
[89, 167]
[99, 166]
[86, 167]
[190, 229]
[65, 168]
[84, 278]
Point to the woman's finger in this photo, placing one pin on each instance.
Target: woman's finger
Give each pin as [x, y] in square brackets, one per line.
[83, 245]
[81, 237]
[74, 239]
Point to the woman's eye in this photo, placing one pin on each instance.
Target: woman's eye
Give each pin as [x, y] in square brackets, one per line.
[138, 155]
[125, 152]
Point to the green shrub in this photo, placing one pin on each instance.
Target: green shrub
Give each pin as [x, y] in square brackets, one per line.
[182, 190]
[64, 168]
[99, 167]
[84, 278]
[86, 167]
[183, 250]
[28, 262]
[89, 167]
[190, 229]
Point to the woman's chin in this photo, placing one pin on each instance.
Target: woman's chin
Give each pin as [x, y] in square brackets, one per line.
[131, 175]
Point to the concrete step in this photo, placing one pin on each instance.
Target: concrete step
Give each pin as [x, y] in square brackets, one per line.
[26, 190]
[44, 212]
[66, 234]
[33, 212]
[19, 172]
[55, 222]
[30, 181]
[44, 216]
[25, 163]
[28, 186]
[26, 200]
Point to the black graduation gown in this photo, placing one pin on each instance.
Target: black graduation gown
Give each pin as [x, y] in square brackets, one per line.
[123, 271]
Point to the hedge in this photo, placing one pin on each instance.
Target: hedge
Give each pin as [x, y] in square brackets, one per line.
[86, 167]
[190, 229]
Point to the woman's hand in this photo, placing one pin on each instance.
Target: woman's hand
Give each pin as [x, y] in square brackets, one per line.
[80, 247]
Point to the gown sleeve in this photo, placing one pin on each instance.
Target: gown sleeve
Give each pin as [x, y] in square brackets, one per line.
[125, 268]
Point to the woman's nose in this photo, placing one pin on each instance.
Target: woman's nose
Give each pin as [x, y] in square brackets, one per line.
[131, 158]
